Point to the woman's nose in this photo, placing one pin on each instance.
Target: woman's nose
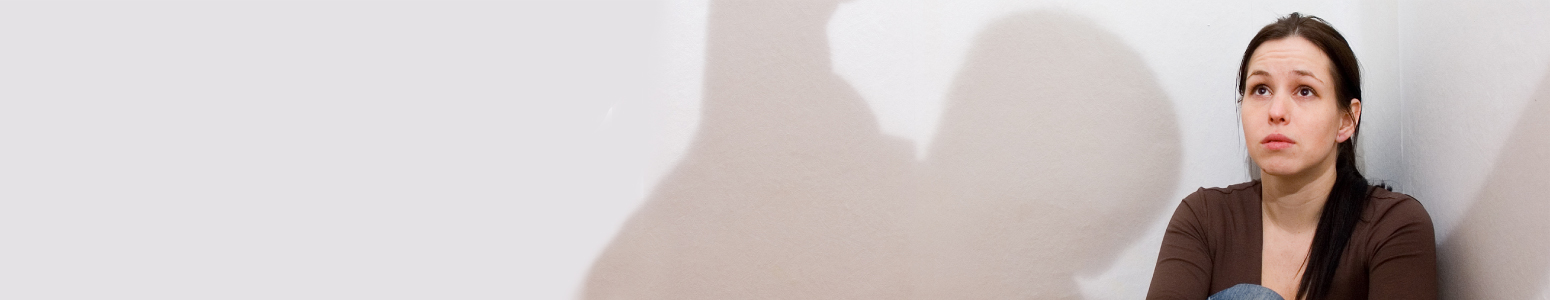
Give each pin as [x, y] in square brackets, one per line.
[1278, 109]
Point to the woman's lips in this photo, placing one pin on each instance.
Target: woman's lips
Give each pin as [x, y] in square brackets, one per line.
[1276, 141]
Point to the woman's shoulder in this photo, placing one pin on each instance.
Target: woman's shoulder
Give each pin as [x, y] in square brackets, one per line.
[1230, 194]
[1231, 198]
[1220, 209]
[1396, 224]
[1394, 207]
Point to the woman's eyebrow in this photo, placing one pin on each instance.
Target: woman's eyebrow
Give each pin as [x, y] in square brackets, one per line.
[1306, 73]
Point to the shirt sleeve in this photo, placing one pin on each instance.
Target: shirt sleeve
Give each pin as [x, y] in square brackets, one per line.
[1184, 262]
[1404, 261]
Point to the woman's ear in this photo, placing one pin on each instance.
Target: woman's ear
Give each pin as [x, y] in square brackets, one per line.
[1349, 122]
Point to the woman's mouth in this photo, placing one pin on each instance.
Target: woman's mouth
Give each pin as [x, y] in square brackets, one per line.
[1276, 141]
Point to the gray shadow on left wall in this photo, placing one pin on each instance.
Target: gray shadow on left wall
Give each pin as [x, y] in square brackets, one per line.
[789, 189]
[1057, 148]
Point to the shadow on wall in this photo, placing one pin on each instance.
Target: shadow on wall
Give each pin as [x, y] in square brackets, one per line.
[789, 190]
[1055, 142]
[1057, 148]
[1499, 249]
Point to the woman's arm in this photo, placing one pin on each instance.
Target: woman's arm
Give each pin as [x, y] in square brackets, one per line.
[1404, 262]
[1184, 262]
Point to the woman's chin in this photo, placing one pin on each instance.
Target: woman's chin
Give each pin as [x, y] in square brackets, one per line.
[1277, 170]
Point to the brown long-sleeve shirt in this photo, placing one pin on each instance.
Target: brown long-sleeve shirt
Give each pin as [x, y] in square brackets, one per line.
[1214, 242]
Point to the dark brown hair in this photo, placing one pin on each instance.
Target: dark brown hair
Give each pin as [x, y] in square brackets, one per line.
[1349, 196]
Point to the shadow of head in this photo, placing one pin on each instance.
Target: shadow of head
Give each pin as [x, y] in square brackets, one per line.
[1498, 250]
[1057, 148]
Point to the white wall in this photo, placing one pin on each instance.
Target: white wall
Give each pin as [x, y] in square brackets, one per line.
[318, 150]
[514, 149]
[1476, 87]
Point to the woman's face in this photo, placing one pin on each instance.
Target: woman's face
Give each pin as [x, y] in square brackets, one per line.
[1291, 122]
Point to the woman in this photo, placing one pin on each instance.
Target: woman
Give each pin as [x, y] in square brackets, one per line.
[1311, 227]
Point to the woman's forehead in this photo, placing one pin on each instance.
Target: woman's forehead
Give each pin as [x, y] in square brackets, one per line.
[1293, 56]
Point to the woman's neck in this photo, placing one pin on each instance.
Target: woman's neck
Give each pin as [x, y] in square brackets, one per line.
[1294, 202]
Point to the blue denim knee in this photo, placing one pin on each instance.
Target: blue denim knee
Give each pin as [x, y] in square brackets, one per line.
[1245, 291]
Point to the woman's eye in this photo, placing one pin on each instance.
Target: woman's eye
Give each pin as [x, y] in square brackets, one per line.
[1305, 92]
[1261, 90]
